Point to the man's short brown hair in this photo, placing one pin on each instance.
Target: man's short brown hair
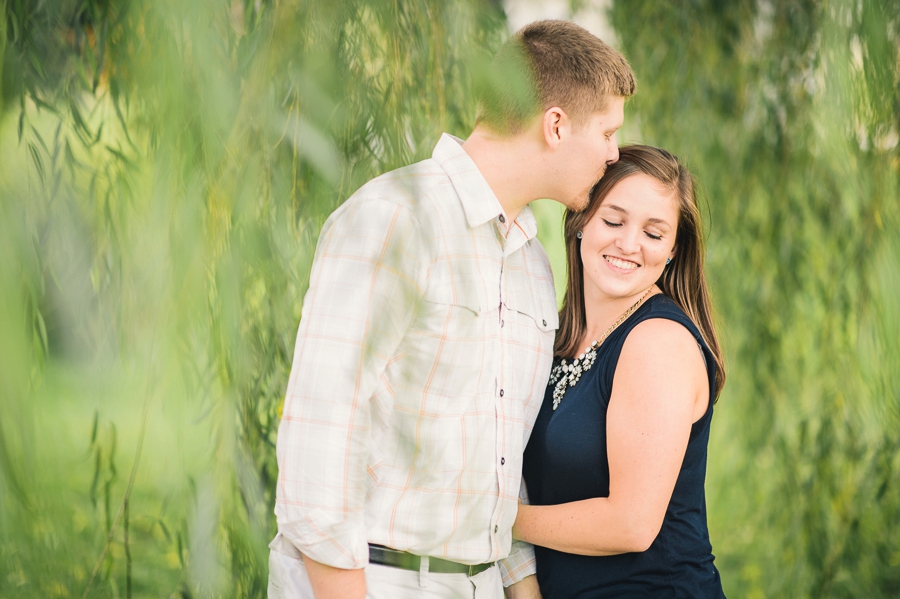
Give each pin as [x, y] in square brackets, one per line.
[551, 63]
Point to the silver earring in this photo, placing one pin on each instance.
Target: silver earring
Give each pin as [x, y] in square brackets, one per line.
[578, 235]
[668, 260]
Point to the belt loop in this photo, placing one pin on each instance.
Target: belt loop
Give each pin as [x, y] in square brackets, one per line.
[423, 571]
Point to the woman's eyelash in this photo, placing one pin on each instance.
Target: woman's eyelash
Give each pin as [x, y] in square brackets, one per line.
[612, 224]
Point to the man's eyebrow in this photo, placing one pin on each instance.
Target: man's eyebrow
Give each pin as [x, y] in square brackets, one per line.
[657, 221]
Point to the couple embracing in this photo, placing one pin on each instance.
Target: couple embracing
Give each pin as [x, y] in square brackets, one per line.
[446, 432]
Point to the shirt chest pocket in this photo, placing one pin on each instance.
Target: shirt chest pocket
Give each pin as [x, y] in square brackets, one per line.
[449, 344]
[530, 327]
[534, 311]
[461, 295]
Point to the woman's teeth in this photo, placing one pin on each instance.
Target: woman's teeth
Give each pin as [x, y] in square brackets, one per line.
[623, 264]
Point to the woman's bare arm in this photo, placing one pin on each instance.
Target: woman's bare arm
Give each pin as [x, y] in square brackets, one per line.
[659, 390]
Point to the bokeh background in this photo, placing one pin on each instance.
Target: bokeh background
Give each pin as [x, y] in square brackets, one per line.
[165, 167]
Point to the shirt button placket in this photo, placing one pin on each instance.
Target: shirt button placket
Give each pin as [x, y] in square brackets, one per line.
[500, 391]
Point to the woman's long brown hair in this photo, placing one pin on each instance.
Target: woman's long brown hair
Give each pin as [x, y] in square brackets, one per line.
[683, 280]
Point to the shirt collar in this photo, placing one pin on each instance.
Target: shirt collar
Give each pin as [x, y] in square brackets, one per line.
[527, 222]
[478, 199]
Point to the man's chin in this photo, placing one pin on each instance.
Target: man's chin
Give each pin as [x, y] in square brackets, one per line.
[579, 203]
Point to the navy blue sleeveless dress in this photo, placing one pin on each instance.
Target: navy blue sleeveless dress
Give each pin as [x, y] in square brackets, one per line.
[566, 460]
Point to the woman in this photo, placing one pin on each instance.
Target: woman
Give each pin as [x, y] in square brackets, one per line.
[616, 463]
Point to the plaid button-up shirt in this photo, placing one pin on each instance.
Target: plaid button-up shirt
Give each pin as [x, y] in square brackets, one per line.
[421, 361]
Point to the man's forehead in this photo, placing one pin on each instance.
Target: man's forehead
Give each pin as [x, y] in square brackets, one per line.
[613, 115]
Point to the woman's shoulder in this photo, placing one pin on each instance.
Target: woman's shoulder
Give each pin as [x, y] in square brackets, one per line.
[663, 312]
[664, 331]
[656, 340]
[661, 304]
[662, 357]
[661, 336]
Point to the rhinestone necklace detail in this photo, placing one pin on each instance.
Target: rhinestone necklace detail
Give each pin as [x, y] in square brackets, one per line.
[566, 375]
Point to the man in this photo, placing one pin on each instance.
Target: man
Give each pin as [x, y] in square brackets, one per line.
[426, 341]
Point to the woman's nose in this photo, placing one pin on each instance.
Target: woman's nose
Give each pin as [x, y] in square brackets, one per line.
[627, 240]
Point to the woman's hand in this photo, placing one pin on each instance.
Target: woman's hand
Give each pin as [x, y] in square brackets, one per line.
[527, 588]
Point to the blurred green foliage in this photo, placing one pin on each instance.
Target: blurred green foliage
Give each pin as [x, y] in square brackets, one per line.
[165, 168]
[789, 112]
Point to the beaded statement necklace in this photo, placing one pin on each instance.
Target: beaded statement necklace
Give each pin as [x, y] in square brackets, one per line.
[566, 375]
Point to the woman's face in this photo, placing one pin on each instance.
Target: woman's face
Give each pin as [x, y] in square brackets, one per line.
[625, 245]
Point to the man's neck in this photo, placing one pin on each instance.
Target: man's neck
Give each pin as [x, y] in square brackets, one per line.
[510, 165]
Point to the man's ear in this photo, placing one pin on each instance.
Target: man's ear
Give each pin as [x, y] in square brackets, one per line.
[555, 126]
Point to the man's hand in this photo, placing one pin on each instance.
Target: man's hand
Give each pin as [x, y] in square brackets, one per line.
[527, 588]
[335, 583]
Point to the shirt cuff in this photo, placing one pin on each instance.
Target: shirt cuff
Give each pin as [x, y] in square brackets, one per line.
[324, 538]
[519, 565]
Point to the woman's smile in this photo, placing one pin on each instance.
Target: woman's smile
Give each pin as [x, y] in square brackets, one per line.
[620, 264]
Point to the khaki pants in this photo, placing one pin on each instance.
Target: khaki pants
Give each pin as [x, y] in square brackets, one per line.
[288, 580]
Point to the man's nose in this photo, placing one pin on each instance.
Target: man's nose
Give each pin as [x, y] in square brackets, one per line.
[614, 155]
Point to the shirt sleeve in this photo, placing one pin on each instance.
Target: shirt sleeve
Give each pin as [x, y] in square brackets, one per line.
[520, 562]
[366, 280]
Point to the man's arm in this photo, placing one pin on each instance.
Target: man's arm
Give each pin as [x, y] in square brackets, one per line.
[366, 279]
[336, 583]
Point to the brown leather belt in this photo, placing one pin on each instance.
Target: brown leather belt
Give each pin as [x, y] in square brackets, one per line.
[379, 554]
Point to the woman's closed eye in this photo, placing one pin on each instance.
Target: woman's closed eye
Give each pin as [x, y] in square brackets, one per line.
[616, 225]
